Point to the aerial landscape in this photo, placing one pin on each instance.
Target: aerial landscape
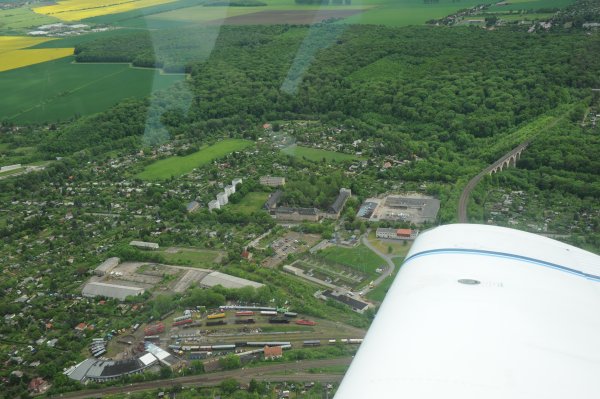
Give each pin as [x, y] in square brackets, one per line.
[205, 198]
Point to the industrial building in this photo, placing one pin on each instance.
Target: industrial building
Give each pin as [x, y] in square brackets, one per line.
[296, 214]
[413, 208]
[273, 200]
[105, 370]
[217, 278]
[120, 292]
[272, 181]
[339, 202]
[144, 245]
[105, 267]
[357, 306]
[396, 234]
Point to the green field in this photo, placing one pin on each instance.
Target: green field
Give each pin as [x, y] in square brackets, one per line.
[531, 5]
[203, 258]
[408, 12]
[178, 166]
[524, 17]
[358, 258]
[17, 19]
[399, 248]
[251, 203]
[58, 90]
[317, 155]
[380, 70]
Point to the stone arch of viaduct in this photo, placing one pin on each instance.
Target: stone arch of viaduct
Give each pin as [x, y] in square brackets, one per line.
[508, 161]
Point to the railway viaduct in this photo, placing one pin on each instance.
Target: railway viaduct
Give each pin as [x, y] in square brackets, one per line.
[507, 160]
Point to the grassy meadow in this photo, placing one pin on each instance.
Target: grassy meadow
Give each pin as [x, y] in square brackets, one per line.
[317, 155]
[251, 203]
[178, 166]
[358, 258]
[204, 258]
[16, 19]
[59, 90]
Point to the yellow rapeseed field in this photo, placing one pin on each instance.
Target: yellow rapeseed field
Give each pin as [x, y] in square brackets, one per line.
[14, 53]
[76, 10]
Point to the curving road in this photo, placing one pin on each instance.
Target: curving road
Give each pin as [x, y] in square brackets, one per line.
[464, 197]
[387, 272]
[273, 372]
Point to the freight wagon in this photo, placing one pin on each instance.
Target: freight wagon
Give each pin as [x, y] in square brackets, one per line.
[216, 316]
[182, 322]
[245, 321]
[312, 343]
[306, 322]
[215, 323]
[268, 313]
[278, 320]
[244, 313]
[268, 343]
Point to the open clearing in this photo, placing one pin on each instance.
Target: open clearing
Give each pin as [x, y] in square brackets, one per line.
[23, 17]
[251, 203]
[58, 90]
[530, 5]
[203, 258]
[358, 258]
[177, 166]
[399, 248]
[15, 54]
[298, 17]
[317, 155]
[409, 12]
[76, 10]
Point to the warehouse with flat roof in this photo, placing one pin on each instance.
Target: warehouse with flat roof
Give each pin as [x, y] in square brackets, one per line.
[227, 281]
[106, 267]
[120, 292]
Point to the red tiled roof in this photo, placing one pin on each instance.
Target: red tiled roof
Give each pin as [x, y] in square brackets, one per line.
[274, 351]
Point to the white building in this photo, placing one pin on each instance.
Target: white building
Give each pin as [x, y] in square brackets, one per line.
[230, 189]
[482, 311]
[214, 204]
[144, 244]
[223, 198]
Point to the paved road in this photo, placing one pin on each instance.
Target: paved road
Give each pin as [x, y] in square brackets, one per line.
[274, 372]
[464, 197]
[387, 272]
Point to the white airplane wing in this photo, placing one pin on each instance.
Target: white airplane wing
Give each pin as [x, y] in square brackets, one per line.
[484, 312]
